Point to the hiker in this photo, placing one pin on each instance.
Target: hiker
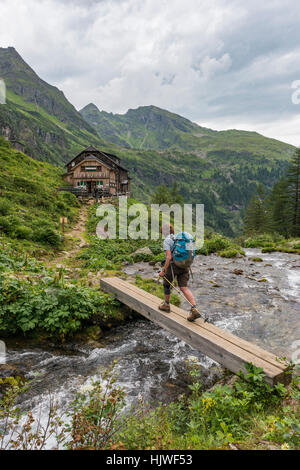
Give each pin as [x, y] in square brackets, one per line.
[171, 271]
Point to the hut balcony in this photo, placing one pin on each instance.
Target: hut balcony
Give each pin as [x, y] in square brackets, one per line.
[91, 175]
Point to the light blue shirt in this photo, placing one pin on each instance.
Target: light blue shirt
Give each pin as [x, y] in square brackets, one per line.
[169, 242]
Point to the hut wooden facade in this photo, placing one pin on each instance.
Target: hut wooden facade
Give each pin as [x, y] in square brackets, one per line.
[93, 169]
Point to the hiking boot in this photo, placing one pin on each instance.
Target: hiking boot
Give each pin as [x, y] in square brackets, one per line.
[193, 315]
[165, 307]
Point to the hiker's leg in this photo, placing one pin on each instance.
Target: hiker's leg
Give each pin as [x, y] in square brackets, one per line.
[167, 287]
[165, 306]
[167, 291]
[188, 295]
[183, 277]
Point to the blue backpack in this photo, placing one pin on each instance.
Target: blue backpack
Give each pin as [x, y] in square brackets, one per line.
[183, 252]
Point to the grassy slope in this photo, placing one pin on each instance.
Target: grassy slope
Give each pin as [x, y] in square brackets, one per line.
[29, 202]
[39, 115]
[149, 127]
[45, 137]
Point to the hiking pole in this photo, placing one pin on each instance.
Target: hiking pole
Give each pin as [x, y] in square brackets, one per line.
[183, 296]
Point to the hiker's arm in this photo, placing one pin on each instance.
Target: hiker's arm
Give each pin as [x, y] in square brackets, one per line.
[167, 263]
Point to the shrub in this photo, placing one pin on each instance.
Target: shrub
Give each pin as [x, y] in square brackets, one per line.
[264, 240]
[23, 232]
[214, 244]
[231, 253]
[268, 249]
[5, 224]
[68, 198]
[49, 305]
[48, 236]
[5, 206]
[9, 224]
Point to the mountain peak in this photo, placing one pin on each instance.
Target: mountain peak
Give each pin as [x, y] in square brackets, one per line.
[21, 80]
[91, 107]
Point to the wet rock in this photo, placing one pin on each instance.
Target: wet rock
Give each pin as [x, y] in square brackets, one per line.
[11, 370]
[143, 251]
[93, 332]
[238, 272]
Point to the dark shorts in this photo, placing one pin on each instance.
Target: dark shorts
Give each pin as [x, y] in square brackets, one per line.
[182, 276]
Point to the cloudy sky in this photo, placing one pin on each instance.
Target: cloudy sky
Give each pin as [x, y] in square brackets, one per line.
[221, 63]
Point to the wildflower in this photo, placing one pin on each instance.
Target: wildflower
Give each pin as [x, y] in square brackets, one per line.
[86, 388]
[208, 403]
[285, 446]
[193, 359]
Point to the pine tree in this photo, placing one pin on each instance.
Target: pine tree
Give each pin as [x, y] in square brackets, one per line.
[293, 192]
[257, 219]
[176, 198]
[279, 208]
[162, 195]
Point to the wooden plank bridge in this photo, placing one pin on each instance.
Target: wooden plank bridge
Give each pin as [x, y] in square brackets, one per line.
[227, 349]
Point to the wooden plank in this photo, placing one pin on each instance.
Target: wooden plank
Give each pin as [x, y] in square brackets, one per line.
[208, 343]
[223, 350]
[272, 371]
[150, 299]
[250, 347]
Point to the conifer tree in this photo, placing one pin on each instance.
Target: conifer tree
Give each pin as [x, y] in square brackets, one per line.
[257, 218]
[293, 192]
[176, 198]
[279, 208]
[164, 195]
[161, 196]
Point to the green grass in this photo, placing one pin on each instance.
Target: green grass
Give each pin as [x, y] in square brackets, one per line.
[30, 205]
[269, 243]
[249, 415]
[35, 299]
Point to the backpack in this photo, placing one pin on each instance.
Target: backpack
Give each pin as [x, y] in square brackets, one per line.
[183, 252]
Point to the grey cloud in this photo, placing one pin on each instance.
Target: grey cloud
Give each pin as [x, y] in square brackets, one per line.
[205, 59]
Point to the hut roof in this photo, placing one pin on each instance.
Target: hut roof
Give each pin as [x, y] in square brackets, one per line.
[93, 149]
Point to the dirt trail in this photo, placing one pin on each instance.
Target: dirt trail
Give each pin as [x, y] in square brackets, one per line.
[77, 234]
